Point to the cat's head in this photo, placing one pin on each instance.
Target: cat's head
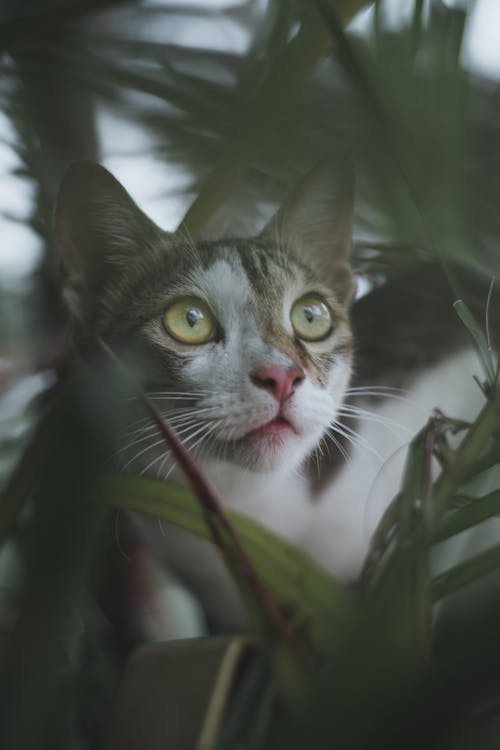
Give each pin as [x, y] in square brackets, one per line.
[245, 344]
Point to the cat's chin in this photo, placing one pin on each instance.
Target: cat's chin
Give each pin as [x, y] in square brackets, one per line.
[267, 450]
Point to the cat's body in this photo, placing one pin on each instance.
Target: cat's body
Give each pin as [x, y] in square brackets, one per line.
[333, 523]
[246, 346]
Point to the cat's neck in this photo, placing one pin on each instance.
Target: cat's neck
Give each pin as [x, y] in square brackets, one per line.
[280, 499]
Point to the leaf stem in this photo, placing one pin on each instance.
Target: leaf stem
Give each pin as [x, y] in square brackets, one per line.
[214, 510]
[466, 455]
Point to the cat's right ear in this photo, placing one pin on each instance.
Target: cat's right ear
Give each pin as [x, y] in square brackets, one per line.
[315, 222]
[100, 233]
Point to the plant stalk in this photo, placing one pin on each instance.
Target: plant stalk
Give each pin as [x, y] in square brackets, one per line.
[210, 502]
[466, 455]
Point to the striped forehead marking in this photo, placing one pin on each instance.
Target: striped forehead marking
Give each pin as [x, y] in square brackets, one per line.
[223, 280]
[266, 270]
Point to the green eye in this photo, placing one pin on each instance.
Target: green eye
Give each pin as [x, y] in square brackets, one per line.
[311, 318]
[190, 320]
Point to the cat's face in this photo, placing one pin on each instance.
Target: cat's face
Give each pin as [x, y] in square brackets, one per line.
[245, 344]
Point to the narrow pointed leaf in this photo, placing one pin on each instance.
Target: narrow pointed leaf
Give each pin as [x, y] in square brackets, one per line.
[467, 318]
[475, 511]
[320, 604]
[466, 573]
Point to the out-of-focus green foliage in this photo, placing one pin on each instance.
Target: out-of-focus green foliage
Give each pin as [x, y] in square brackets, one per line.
[245, 123]
[388, 629]
[320, 605]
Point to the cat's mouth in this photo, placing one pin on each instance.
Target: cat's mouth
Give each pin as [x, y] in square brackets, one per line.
[278, 426]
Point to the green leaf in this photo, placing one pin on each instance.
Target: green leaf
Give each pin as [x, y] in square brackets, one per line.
[466, 457]
[467, 318]
[261, 117]
[321, 606]
[475, 510]
[405, 578]
[466, 572]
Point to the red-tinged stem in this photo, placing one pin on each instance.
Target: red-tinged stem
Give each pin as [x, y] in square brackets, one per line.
[212, 505]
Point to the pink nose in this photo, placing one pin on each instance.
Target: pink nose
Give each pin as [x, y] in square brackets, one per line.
[279, 381]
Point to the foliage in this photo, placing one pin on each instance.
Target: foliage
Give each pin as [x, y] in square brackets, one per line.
[370, 667]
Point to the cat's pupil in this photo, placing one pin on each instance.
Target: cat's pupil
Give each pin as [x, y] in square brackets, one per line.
[309, 313]
[193, 316]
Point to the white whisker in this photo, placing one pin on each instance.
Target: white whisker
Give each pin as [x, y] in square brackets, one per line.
[168, 453]
[353, 437]
[179, 433]
[378, 388]
[203, 437]
[117, 536]
[133, 443]
[179, 395]
[161, 457]
[338, 445]
[355, 411]
[141, 452]
[384, 392]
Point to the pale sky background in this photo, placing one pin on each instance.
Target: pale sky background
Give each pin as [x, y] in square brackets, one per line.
[146, 178]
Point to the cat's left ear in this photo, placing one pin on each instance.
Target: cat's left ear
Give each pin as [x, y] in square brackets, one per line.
[315, 222]
[101, 233]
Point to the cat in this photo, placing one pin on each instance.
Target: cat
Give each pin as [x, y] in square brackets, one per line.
[297, 402]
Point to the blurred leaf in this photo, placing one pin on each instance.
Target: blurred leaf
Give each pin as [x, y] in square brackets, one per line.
[404, 575]
[479, 338]
[290, 71]
[64, 522]
[471, 449]
[25, 21]
[321, 607]
[267, 613]
[23, 479]
[475, 510]
[469, 571]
